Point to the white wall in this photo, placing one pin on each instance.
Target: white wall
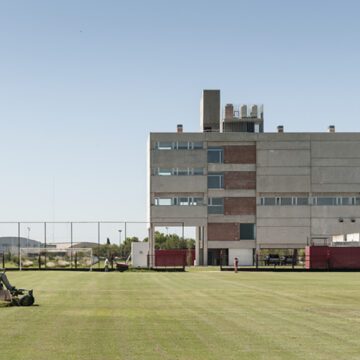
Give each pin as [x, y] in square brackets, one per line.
[245, 256]
[139, 252]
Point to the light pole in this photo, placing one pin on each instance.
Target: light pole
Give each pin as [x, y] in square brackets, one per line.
[120, 242]
[28, 237]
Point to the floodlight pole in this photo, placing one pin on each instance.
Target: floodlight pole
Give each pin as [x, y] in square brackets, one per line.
[120, 242]
[28, 237]
[120, 237]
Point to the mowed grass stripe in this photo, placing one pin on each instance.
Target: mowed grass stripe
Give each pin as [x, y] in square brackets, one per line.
[193, 315]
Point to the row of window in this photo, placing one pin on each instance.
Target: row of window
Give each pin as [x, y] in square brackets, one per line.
[178, 171]
[179, 201]
[319, 201]
[284, 201]
[178, 145]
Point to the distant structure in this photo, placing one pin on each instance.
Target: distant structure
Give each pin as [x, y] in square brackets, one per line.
[245, 190]
[72, 245]
[11, 244]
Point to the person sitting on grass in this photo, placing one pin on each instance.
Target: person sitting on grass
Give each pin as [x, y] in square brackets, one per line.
[4, 280]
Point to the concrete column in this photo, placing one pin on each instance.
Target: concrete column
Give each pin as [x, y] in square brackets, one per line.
[205, 242]
[151, 247]
[197, 246]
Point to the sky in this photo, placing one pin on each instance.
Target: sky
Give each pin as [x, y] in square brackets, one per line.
[83, 82]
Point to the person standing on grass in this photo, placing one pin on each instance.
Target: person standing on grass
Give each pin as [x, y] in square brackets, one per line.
[106, 265]
[236, 263]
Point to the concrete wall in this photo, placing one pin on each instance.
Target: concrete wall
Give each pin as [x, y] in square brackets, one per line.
[176, 184]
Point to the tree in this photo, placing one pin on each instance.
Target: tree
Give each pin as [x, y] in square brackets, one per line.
[107, 241]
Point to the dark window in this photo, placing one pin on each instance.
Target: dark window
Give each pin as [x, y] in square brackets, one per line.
[302, 201]
[326, 201]
[215, 155]
[215, 181]
[215, 206]
[250, 127]
[247, 232]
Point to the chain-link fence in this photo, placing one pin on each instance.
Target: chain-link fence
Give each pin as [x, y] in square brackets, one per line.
[82, 245]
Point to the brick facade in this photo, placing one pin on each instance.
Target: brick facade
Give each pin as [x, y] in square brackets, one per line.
[242, 180]
[240, 206]
[223, 231]
[240, 154]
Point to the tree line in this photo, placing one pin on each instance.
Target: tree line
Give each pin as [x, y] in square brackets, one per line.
[162, 242]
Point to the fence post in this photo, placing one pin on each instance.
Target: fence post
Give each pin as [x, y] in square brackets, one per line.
[98, 254]
[19, 247]
[45, 244]
[3, 260]
[71, 245]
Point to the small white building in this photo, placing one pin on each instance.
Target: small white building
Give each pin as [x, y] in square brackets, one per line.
[139, 254]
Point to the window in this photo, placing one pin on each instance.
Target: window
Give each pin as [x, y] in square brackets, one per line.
[215, 181]
[182, 145]
[184, 201]
[163, 201]
[198, 145]
[178, 171]
[179, 201]
[182, 172]
[197, 201]
[269, 201]
[215, 206]
[247, 231]
[325, 201]
[286, 201]
[302, 201]
[178, 145]
[197, 171]
[164, 145]
[215, 155]
[163, 172]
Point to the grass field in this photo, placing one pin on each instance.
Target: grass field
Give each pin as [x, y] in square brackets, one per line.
[192, 315]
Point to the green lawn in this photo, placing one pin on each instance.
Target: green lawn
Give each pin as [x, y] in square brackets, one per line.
[192, 315]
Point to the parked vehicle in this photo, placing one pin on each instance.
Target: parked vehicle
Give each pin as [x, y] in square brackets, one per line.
[272, 259]
[287, 260]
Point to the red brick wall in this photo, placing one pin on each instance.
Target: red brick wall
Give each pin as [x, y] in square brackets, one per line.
[223, 231]
[240, 206]
[241, 154]
[240, 180]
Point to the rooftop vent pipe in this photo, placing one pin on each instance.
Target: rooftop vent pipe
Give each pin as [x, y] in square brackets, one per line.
[280, 129]
[179, 128]
[331, 128]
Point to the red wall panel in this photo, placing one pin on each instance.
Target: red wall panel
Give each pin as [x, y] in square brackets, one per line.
[240, 154]
[326, 257]
[240, 206]
[177, 257]
[242, 180]
[223, 231]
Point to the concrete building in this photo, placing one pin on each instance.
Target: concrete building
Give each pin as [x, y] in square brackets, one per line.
[245, 190]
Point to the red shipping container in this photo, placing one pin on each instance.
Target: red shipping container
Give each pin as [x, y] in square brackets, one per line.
[174, 258]
[336, 258]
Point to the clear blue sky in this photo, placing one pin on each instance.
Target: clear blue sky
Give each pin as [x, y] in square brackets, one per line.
[83, 82]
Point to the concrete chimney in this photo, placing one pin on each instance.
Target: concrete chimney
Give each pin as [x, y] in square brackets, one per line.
[179, 128]
[331, 128]
[280, 129]
[229, 111]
